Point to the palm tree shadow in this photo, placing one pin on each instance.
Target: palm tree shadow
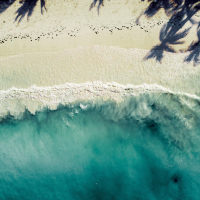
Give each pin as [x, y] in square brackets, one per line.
[27, 9]
[170, 33]
[169, 6]
[93, 4]
[4, 4]
[43, 6]
[194, 50]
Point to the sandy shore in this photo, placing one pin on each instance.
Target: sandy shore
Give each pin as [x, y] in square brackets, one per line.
[70, 25]
[69, 43]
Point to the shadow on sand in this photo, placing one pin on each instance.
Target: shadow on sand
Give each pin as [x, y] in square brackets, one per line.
[26, 8]
[93, 4]
[180, 12]
[4, 4]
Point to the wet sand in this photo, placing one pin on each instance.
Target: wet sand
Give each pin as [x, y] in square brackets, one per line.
[69, 43]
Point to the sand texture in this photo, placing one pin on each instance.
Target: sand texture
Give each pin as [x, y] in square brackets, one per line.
[69, 43]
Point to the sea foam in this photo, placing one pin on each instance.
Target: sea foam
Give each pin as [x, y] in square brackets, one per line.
[99, 141]
[14, 101]
[114, 101]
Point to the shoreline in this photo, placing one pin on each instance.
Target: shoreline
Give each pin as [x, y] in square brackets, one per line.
[66, 48]
[15, 102]
[98, 63]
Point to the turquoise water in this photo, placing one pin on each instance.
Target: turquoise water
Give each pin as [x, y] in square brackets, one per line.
[144, 148]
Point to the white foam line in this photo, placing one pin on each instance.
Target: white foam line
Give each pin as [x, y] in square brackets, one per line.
[15, 101]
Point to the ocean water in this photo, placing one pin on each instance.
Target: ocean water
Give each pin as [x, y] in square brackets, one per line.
[146, 146]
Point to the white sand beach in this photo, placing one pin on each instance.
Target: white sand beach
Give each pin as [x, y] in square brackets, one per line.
[70, 44]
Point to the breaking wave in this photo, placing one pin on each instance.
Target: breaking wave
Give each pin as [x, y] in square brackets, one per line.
[99, 141]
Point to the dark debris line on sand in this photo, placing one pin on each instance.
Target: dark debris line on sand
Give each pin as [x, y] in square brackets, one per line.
[180, 12]
[171, 33]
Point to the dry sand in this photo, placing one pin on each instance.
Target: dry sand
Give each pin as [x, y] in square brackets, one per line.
[69, 43]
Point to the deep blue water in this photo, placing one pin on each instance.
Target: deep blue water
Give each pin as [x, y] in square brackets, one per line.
[72, 153]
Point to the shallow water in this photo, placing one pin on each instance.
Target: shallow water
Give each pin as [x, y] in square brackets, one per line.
[144, 148]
